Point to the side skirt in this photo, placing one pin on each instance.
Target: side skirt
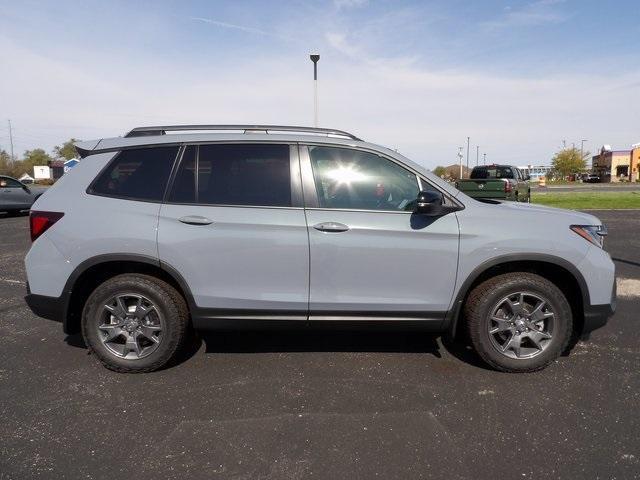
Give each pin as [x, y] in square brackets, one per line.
[219, 319]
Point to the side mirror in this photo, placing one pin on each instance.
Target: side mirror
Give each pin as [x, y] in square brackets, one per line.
[527, 177]
[25, 188]
[429, 203]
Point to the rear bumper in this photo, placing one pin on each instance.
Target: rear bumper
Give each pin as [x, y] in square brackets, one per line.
[596, 316]
[51, 308]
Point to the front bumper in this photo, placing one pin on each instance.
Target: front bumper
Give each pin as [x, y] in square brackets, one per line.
[596, 316]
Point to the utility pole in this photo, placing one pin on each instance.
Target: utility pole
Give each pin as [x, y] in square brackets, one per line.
[468, 138]
[11, 140]
[564, 144]
[460, 160]
[477, 154]
[484, 158]
[314, 58]
[582, 147]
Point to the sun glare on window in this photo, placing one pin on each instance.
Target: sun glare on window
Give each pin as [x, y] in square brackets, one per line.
[346, 175]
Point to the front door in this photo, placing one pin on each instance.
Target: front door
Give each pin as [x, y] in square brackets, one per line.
[233, 226]
[371, 257]
[13, 196]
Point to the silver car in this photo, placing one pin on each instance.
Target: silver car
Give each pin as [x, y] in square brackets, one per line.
[260, 226]
[15, 196]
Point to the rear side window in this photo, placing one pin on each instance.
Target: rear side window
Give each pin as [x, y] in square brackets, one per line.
[234, 174]
[139, 174]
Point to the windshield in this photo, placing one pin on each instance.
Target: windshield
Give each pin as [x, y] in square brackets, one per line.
[491, 172]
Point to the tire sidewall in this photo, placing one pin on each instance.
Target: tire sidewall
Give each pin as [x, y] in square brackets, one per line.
[135, 285]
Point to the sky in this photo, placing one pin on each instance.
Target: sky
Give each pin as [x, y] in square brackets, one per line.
[518, 77]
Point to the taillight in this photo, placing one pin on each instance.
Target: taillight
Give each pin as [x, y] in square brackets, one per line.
[40, 222]
[507, 186]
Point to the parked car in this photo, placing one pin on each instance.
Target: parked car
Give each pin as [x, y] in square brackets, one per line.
[501, 182]
[591, 178]
[15, 196]
[158, 233]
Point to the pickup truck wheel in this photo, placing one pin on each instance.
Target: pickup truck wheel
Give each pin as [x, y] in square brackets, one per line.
[518, 322]
[134, 323]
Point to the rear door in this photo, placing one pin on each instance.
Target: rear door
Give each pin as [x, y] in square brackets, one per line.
[233, 226]
[371, 257]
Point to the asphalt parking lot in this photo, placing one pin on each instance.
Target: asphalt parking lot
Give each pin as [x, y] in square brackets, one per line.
[318, 404]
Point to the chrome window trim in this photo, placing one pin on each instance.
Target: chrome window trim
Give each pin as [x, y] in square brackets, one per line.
[361, 210]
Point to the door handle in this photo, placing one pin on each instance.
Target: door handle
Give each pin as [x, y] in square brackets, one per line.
[195, 220]
[331, 227]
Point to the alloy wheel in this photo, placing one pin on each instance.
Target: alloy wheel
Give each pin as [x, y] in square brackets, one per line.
[521, 325]
[130, 326]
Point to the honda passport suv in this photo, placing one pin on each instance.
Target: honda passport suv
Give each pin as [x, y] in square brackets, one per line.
[175, 228]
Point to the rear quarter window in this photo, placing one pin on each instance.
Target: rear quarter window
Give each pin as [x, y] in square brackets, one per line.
[138, 174]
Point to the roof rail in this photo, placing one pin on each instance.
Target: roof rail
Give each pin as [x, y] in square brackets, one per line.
[163, 129]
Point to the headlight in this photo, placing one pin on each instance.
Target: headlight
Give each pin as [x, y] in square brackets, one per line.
[592, 233]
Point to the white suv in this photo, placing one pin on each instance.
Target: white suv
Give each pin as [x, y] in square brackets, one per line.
[256, 226]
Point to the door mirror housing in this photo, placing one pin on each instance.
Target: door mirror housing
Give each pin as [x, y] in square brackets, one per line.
[25, 188]
[429, 203]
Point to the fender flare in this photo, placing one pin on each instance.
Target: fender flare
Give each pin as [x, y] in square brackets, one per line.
[118, 257]
[453, 315]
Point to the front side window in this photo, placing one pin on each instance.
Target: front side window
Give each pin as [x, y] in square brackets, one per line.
[353, 179]
[138, 174]
[234, 174]
[9, 183]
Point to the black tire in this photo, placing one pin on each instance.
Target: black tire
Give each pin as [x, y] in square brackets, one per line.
[485, 297]
[169, 304]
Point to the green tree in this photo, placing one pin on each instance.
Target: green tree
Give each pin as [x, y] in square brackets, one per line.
[568, 162]
[440, 171]
[66, 150]
[37, 156]
[5, 162]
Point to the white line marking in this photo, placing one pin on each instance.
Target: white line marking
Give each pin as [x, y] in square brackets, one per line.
[9, 280]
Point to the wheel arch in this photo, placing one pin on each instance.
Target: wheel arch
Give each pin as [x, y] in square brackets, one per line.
[92, 272]
[557, 270]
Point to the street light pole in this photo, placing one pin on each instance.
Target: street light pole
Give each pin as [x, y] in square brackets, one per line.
[11, 140]
[314, 58]
[477, 154]
[460, 160]
[468, 138]
[484, 158]
[582, 147]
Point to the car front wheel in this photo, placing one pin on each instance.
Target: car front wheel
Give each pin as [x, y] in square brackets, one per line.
[134, 323]
[518, 322]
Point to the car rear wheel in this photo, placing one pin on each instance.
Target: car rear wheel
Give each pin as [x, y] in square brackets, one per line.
[135, 323]
[518, 322]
